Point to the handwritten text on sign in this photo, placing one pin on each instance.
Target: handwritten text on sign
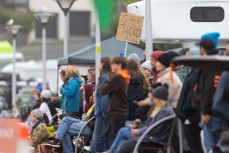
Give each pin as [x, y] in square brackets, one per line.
[130, 28]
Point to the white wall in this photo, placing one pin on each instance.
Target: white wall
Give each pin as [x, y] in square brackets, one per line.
[52, 6]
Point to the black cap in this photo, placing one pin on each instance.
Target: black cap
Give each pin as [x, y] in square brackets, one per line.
[161, 92]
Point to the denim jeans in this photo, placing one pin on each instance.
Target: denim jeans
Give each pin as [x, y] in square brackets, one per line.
[124, 134]
[212, 132]
[102, 136]
[70, 127]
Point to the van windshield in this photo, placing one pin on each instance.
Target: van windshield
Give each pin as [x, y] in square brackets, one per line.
[6, 61]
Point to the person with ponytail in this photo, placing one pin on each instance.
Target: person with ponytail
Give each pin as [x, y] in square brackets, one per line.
[102, 139]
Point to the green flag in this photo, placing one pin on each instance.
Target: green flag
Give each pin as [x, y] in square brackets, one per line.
[106, 11]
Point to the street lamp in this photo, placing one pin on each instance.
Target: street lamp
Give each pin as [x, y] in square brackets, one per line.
[65, 5]
[43, 18]
[13, 30]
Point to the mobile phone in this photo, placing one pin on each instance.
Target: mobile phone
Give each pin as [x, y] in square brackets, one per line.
[135, 101]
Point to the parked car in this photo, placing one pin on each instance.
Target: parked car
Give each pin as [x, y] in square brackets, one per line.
[3, 104]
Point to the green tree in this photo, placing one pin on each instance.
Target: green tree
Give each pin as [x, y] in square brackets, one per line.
[24, 18]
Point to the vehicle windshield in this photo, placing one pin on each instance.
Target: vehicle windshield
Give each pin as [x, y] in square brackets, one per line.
[6, 61]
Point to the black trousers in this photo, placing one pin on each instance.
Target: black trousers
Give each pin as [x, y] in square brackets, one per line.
[52, 106]
[117, 122]
[192, 132]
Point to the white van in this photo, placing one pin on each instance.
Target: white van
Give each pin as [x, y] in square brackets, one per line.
[184, 21]
[6, 59]
[33, 70]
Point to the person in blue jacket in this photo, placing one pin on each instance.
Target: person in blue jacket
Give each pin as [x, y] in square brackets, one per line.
[102, 136]
[71, 92]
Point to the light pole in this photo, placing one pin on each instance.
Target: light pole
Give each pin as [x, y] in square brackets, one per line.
[13, 30]
[148, 19]
[43, 18]
[65, 5]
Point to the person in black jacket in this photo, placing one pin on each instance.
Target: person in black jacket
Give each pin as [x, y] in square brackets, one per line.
[204, 90]
[137, 87]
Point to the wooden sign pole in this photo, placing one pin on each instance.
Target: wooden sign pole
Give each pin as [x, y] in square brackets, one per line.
[126, 49]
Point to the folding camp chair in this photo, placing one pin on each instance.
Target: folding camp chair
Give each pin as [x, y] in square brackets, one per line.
[141, 147]
[81, 130]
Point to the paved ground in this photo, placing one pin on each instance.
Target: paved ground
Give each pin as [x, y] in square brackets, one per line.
[54, 48]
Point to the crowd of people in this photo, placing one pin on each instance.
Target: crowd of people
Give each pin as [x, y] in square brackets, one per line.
[129, 89]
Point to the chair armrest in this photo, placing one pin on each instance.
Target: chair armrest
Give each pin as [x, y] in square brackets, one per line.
[149, 129]
[81, 130]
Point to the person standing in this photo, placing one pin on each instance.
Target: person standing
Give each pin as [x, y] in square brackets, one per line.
[154, 56]
[204, 89]
[89, 87]
[137, 87]
[116, 88]
[71, 92]
[102, 139]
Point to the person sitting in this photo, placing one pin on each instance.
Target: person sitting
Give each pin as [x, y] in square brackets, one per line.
[49, 127]
[39, 131]
[46, 98]
[37, 98]
[127, 137]
[69, 127]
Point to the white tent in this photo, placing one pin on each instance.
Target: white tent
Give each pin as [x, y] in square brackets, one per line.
[180, 21]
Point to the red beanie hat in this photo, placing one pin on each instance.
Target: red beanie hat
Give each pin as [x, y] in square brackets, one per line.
[156, 54]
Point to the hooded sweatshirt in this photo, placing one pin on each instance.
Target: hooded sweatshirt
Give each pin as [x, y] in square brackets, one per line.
[71, 95]
[117, 88]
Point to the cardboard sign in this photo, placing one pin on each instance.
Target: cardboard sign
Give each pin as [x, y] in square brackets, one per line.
[9, 132]
[130, 28]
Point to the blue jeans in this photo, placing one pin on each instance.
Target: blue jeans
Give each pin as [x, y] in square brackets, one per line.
[70, 127]
[212, 132]
[124, 134]
[102, 136]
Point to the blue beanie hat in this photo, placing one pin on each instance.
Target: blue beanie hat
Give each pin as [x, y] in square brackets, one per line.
[214, 36]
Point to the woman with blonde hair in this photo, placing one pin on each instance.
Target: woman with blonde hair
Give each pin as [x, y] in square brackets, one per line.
[71, 91]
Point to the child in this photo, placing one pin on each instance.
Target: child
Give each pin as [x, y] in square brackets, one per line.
[39, 130]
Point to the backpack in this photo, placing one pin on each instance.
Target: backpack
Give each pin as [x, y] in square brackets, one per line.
[184, 108]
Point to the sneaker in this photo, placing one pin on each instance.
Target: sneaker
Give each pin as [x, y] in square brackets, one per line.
[55, 143]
